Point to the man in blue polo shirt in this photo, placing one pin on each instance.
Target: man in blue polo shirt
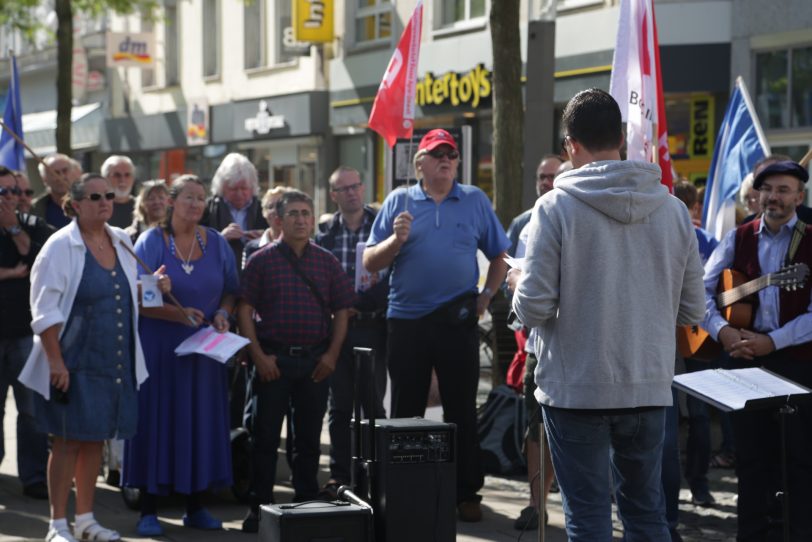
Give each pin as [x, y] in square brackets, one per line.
[429, 235]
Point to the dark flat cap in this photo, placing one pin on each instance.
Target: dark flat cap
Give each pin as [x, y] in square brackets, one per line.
[781, 168]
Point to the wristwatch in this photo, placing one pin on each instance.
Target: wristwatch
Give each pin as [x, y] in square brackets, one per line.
[14, 230]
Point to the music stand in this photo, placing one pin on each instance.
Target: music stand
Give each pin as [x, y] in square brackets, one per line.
[751, 389]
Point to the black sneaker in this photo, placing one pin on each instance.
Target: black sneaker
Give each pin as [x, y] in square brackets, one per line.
[37, 490]
[251, 522]
[528, 519]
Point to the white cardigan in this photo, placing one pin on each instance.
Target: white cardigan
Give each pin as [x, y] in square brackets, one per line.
[55, 278]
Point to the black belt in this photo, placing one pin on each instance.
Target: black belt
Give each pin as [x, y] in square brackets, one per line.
[369, 315]
[294, 351]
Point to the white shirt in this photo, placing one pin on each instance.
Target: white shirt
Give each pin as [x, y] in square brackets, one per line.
[55, 278]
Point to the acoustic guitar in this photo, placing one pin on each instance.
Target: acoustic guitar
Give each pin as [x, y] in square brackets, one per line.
[735, 302]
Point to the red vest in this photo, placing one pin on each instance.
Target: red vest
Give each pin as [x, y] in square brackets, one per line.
[791, 304]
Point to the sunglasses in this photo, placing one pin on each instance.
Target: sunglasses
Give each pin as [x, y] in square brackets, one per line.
[13, 190]
[28, 192]
[109, 196]
[440, 153]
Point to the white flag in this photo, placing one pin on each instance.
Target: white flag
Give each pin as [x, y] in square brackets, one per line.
[633, 84]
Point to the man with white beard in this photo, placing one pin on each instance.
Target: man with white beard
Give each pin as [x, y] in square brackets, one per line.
[120, 173]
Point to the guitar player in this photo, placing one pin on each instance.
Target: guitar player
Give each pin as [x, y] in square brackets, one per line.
[780, 340]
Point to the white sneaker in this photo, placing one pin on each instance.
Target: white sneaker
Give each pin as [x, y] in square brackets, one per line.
[63, 535]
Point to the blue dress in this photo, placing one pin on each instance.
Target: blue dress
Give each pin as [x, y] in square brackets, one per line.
[97, 346]
[182, 443]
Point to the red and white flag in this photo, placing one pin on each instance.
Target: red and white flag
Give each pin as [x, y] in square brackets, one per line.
[636, 84]
[392, 113]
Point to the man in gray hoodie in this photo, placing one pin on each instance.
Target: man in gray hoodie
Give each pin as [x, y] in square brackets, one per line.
[611, 267]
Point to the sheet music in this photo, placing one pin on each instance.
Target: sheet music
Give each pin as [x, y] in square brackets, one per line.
[208, 342]
[734, 388]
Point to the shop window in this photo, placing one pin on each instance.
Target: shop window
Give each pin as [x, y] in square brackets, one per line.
[171, 43]
[783, 93]
[253, 34]
[147, 75]
[287, 49]
[211, 38]
[461, 13]
[373, 21]
[167, 33]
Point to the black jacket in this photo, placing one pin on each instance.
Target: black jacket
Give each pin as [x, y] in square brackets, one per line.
[217, 215]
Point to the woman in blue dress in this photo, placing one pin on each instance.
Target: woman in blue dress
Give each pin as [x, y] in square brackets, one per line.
[87, 361]
[182, 443]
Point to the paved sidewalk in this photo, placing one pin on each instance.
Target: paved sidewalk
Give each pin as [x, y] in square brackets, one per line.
[22, 518]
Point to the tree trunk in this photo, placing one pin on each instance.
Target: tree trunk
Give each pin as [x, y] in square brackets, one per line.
[508, 148]
[508, 110]
[64, 40]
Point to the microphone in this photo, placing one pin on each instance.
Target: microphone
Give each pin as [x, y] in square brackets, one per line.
[346, 494]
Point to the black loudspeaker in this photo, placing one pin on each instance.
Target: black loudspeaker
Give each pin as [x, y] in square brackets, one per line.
[411, 479]
[314, 522]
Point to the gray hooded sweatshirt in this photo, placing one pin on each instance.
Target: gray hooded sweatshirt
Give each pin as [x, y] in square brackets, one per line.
[612, 266]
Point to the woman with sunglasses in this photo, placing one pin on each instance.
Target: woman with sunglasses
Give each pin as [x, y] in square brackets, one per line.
[86, 363]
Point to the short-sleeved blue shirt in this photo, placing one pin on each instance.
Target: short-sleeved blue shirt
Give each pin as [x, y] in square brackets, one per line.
[438, 261]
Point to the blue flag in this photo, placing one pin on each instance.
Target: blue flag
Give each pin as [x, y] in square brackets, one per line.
[740, 144]
[12, 154]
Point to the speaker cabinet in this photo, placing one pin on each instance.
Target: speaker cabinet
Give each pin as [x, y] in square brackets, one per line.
[314, 522]
[413, 480]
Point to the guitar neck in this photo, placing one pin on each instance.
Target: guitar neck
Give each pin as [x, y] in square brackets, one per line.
[738, 293]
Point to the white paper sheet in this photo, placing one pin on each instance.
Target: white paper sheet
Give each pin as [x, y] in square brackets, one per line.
[208, 342]
[734, 388]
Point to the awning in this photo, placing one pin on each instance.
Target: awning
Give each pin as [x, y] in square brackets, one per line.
[39, 129]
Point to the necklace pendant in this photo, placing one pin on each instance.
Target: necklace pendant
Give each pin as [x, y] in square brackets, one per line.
[187, 268]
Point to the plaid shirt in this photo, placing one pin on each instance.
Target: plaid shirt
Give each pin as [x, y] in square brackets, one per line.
[346, 241]
[288, 312]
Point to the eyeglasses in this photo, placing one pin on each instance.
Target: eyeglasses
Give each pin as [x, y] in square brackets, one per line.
[439, 154]
[13, 190]
[546, 176]
[109, 196]
[780, 190]
[295, 213]
[349, 188]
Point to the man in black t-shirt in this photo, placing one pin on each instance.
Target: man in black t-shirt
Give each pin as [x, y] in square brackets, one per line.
[21, 237]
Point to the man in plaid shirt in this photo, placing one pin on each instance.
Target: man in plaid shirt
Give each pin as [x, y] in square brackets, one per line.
[296, 331]
[367, 324]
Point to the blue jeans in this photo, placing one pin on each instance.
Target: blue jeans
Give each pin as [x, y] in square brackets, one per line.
[584, 446]
[32, 446]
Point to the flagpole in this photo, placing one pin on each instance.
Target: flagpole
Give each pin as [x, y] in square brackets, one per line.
[29, 149]
[756, 123]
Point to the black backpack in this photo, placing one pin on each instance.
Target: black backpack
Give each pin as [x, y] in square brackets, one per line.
[501, 426]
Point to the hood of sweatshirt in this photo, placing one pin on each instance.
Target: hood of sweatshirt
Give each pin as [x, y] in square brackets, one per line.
[627, 191]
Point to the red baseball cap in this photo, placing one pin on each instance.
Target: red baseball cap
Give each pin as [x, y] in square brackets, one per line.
[435, 138]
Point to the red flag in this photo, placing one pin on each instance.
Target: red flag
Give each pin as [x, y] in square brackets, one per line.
[392, 113]
[663, 155]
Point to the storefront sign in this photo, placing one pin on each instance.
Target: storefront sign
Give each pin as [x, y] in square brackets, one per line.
[197, 122]
[701, 141]
[452, 88]
[264, 121]
[129, 49]
[313, 20]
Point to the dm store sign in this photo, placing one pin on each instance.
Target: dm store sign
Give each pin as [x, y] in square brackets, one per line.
[130, 50]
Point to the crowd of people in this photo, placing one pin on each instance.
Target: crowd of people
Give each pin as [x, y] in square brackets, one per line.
[612, 262]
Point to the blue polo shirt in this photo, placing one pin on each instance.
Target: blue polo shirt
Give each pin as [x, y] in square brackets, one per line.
[438, 261]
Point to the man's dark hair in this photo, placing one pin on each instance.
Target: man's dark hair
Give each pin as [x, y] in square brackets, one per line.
[592, 118]
[6, 171]
[686, 192]
[291, 196]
